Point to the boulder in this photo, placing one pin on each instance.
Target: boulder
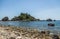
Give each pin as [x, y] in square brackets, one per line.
[49, 19]
[55, 37]
[5, 19]
[43, 32]
[51, 24]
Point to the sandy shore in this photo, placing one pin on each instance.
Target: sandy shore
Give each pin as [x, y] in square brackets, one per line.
[12, 32]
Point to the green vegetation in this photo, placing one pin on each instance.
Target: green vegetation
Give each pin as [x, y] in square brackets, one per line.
[24, 17]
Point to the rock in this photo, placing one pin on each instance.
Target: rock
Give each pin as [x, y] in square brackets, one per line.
[19, 37]
[51, 24]
[12, 38]
[55, 37]
[17, 34]
[51, 34]
[43, 32]
[54, 20]
[49, 19]
[47, 32]
[5, 19]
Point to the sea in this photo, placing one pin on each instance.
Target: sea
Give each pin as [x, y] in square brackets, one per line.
[40, 25]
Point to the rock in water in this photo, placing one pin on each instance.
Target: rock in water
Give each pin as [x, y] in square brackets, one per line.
[51, 24]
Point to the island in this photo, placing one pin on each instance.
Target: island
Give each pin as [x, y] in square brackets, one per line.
[21, 17]
[49, 19]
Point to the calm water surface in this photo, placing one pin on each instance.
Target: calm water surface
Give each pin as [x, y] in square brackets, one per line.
[34, 24]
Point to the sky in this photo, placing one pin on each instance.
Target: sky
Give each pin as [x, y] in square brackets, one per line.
[41, 9]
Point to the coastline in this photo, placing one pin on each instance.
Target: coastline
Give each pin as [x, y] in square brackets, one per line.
[13, 32]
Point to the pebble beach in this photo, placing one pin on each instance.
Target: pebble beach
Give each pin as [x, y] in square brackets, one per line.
[12, 32]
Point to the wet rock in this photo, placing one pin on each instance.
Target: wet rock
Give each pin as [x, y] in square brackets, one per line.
[5, 19]
[55, 37]
[51, 24]
[49, 19]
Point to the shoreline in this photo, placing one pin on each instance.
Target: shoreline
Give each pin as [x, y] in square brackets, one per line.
[13, 32]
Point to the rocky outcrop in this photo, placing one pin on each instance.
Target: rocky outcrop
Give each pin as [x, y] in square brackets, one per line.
[49, 19]
[51, 24]
[5, 19]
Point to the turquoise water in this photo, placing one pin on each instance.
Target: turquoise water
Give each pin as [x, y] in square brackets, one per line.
[41, 25]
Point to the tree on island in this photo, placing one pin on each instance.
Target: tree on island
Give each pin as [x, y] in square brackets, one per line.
[15, 19]
[24, 17]
[5, 19]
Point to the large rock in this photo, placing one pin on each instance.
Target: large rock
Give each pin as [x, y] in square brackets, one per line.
[49, 19]
[5, 19]
[55, 37]
[51, 24]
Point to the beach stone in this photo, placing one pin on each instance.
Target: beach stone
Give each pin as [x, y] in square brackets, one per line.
[19, 37]
[12, 38]
[55, 37]
[51, 34]
[42, 32]
[17, 34]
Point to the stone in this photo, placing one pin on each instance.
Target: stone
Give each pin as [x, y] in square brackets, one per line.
[55, 37]
[12, 38]
[43, 32]
[51, 24]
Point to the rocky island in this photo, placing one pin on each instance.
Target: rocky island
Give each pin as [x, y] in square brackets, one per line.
[21, 17]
